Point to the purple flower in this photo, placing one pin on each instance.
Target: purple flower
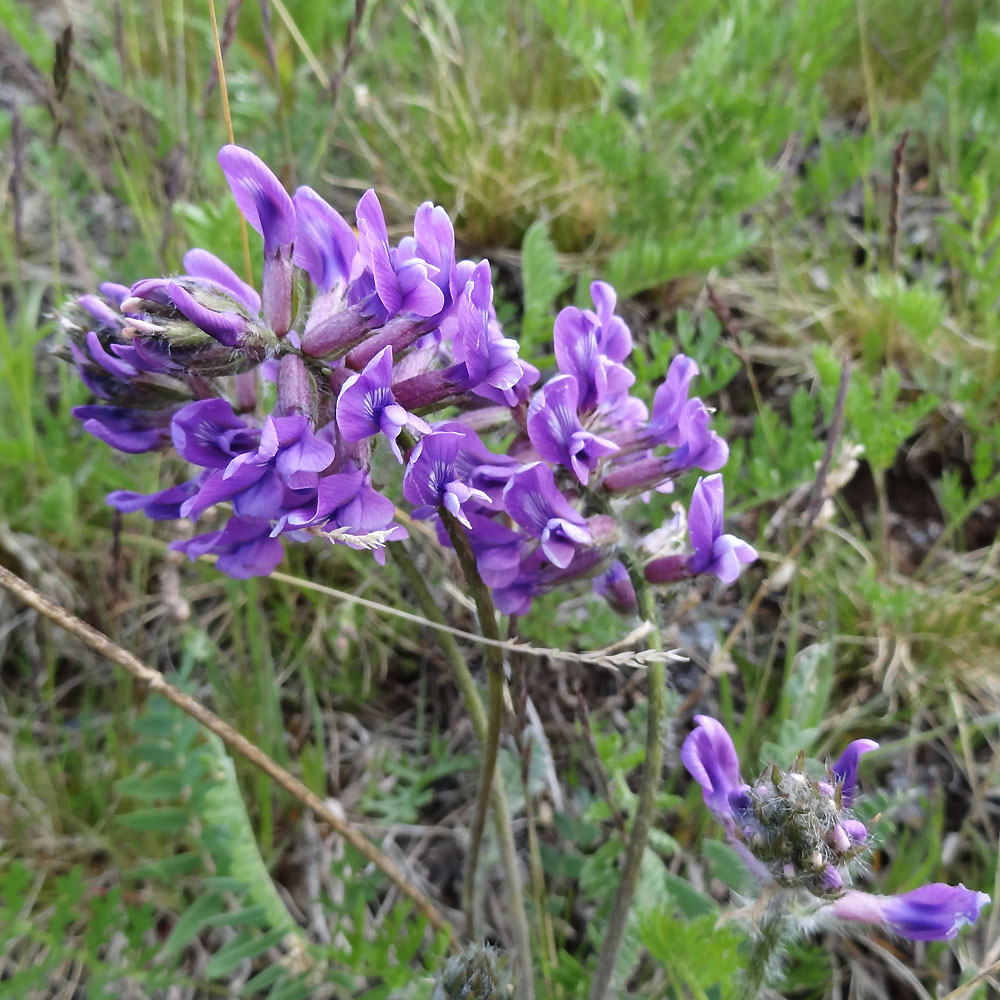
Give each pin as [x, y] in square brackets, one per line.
[615, 586]
[699, 447]
[244, 548]
[669, 403]
[399, 286]
[209, 434]
[164, 505]
[933, 912]
[481, 468]
[497, 549]
[261, 198]
[556, 432]
[346, 502]
[265, 204]
[268, 482]
[490, 359]
[225, 326]
[710, 757]
[207, 267]
[325, 245]
[431, 481]
[846, 767]
[533, 501]
[590, 347]
[133, 431]
[714, 552]
[366, 405]
[793, 830]
[204, 305]
[433, 241]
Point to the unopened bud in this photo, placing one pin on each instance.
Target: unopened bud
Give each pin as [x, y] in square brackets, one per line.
[296, 389]
[478, 972]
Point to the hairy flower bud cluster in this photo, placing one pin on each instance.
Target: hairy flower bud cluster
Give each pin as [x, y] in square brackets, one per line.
[800, 827]
[477, 972]
[799, 833]
[364, 341]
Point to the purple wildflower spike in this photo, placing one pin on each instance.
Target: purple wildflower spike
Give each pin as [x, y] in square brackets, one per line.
[532, 499]
[325, 245]
[366, 405]
[714, 552]
[710, 758]
[432, 482]
[556, 432]
[933, 912]
[846, 767]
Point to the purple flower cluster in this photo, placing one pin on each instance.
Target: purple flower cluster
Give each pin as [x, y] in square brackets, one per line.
[279, 401]
[799, 832]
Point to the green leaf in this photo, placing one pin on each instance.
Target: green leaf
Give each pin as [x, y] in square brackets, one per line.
[239, 949]
[160, 785]
[162, 819]
[543, 279]
[194, 918]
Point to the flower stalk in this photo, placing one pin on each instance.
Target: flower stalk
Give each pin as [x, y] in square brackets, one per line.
[501, 813]
[494, 710]
[650, 783]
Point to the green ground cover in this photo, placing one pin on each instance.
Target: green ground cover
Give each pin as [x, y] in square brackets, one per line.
[728, 165]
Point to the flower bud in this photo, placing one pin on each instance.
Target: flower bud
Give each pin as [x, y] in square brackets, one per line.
[478, 972]
[296, 389]
[207, 331]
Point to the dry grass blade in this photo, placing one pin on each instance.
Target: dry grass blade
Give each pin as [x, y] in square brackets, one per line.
[234, 740]
[595, 658]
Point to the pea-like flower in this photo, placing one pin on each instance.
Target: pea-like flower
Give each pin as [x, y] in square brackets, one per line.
[432, 482]
[797, 832]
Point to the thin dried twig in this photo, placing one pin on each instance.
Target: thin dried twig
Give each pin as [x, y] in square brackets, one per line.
[350, 40]
[220, 69]
[236, 741]
[896, 201]
[609, 659]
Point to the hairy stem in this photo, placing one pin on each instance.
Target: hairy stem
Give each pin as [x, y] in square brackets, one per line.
[759, 965]
[501, 813]
[643, 820]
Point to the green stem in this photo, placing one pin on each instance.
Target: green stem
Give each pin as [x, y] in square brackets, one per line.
[646, 807]
[501, 813]
[759, 962]
[494, 719]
